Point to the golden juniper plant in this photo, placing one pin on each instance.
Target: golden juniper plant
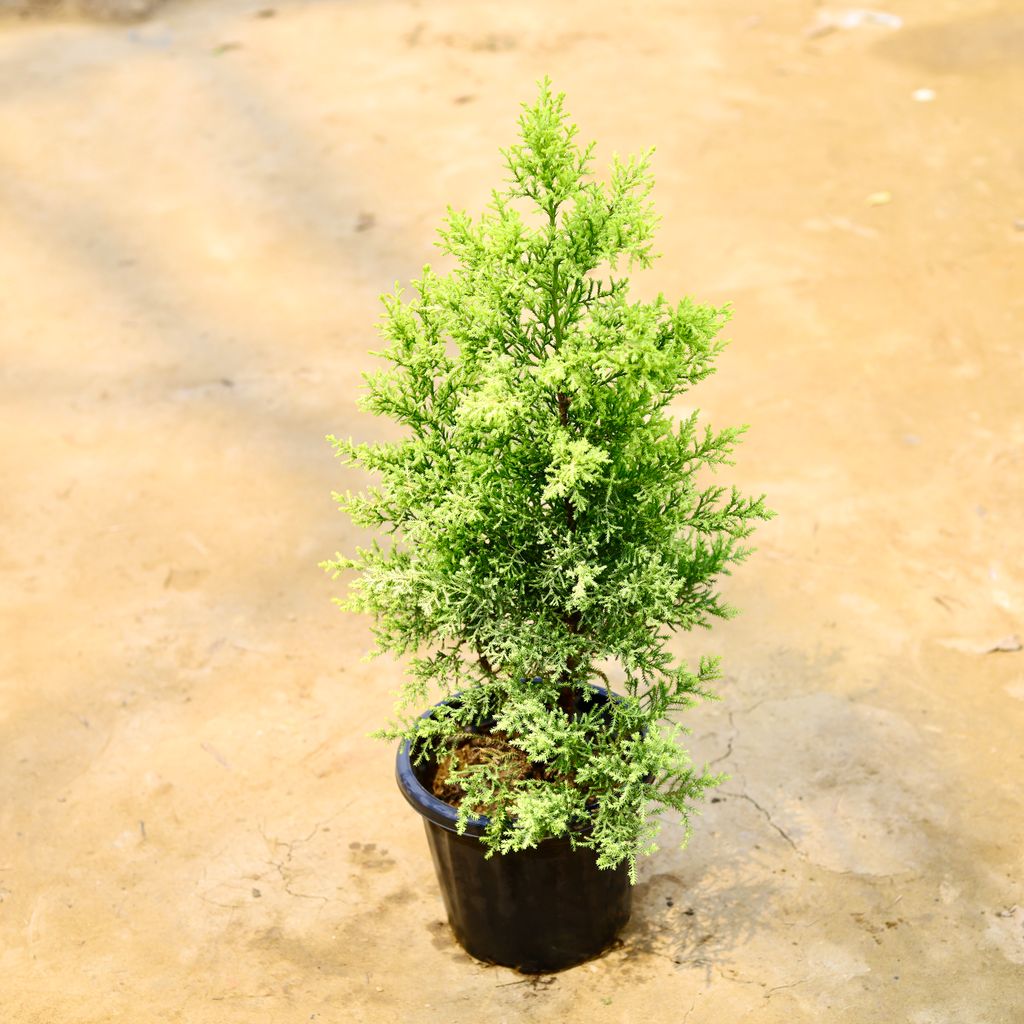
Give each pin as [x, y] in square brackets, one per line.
[543, 513]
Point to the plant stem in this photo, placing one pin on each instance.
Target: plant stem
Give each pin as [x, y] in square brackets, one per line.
[567, 696]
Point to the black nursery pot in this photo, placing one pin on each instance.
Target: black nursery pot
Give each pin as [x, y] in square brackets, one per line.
[536, 910]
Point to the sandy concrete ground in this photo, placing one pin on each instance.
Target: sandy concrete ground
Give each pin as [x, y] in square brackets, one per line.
[198, 214]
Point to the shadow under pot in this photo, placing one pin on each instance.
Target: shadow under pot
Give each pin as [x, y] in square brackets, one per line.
[536, 910]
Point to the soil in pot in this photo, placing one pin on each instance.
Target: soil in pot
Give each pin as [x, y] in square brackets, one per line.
[491, 748]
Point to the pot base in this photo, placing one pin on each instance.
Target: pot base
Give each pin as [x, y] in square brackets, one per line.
[538, 910]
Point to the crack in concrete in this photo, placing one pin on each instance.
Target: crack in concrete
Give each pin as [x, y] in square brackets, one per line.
[778, 828]
[728, 751]
[283, 867]
[735, 730]
[215, 903]
[780, 988]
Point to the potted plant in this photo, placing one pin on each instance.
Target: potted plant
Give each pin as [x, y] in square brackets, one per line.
[546, 523]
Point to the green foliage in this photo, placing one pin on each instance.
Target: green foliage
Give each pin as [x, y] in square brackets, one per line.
[544, 512]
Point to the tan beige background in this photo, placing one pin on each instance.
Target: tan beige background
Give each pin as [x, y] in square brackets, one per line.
[197, 213]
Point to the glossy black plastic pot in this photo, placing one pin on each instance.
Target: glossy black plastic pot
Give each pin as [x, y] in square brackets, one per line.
[536, 910]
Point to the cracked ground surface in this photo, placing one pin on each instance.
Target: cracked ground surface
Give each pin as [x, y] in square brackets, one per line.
[199, 212]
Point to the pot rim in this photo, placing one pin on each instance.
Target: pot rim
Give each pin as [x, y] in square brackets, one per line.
[431, 807]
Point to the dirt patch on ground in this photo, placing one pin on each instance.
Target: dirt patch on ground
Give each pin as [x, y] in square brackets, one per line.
[91, 10]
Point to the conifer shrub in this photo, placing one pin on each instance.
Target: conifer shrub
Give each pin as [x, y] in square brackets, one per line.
[545, 520]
